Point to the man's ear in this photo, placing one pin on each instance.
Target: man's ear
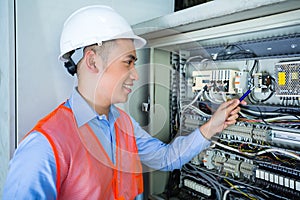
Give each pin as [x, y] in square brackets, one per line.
[92, 61]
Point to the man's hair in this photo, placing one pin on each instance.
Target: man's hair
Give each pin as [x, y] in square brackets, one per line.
[103, 50]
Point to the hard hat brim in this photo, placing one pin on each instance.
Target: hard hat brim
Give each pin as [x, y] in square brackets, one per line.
[138, 42]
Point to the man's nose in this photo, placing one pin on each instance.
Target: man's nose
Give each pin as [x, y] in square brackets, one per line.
[133, 74]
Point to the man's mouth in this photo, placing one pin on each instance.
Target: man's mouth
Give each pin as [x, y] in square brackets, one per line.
[128, 87]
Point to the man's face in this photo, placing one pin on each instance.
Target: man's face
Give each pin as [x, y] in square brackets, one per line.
[115, 83]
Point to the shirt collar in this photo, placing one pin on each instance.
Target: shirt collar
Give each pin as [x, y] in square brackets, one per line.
[84, 113]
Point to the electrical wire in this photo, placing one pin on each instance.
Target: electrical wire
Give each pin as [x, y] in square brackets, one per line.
[185, 66]
[184, 108]
[237, 188]
[202, 171]
[238, 141]
[255, 65]
[291, 117]
[264, 113]
[233, 51]
[281, 119]
[229, 190]
[258, 153]
[209, 98]
[213, 98]
[274, 119]
[198, 111]
[255, 188]
[211, 181]
[192, 102]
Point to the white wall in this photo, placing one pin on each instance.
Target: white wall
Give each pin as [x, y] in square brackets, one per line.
[41, 80]
[6, 87]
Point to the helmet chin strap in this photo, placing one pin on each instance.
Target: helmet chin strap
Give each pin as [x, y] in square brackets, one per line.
[73, 60]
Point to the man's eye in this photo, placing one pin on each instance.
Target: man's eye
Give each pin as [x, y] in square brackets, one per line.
[129, 62]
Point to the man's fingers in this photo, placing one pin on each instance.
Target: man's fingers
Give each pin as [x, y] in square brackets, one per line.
[235, 111]
[232, 117]
[228, 103]
[234, 104]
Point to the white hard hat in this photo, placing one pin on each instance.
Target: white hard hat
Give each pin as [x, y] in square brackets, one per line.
[95, 24]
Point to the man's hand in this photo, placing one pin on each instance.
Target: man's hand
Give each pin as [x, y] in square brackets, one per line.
[226, 114]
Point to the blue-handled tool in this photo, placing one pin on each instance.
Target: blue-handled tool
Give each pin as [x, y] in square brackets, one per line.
[246, 94]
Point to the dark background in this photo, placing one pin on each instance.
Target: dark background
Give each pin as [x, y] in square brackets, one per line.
[182, 4]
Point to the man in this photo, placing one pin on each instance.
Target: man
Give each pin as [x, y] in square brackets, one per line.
[87, 148]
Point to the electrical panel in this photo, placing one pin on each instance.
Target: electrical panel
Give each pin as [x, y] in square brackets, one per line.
[259, 156]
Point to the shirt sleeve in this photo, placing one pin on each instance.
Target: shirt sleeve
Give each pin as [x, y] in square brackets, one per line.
[167, 157]
[32, 170]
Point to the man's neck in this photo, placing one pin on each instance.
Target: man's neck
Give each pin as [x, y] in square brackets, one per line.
[102, 109]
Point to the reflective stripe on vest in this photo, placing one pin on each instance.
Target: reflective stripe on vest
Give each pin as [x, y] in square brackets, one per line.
[84, 170]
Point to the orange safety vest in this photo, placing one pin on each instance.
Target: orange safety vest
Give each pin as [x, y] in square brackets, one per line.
[84, 170]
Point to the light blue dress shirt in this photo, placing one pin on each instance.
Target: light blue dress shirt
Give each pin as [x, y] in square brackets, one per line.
[32, 173]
